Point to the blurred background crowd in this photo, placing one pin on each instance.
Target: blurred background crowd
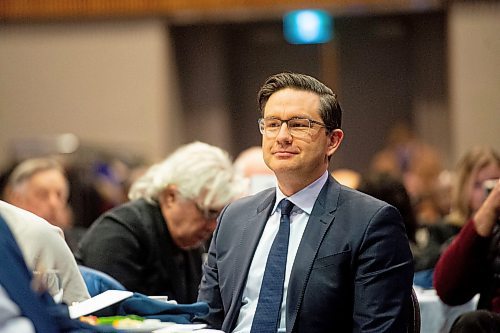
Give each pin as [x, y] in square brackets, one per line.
[72, 190]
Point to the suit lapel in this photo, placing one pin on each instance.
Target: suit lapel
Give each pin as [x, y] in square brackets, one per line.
[252, 231]
[322, 216]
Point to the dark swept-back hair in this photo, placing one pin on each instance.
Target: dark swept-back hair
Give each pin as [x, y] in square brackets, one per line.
[329, 109]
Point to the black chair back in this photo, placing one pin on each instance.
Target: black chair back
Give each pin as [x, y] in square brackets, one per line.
[414, 315]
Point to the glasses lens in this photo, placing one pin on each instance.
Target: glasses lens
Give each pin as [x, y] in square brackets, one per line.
[299, 127]
[270, 127]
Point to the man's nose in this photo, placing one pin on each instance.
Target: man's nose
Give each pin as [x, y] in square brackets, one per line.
[284, 133]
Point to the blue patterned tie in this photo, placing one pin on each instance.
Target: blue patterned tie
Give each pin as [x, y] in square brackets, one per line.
[267, 315]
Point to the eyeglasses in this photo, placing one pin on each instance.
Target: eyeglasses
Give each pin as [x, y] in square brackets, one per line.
[208, 213]
[297, 127]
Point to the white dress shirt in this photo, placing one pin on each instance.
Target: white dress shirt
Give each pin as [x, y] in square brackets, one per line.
[304, 201]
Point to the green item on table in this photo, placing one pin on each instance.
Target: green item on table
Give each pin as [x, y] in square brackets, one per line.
[112, 319]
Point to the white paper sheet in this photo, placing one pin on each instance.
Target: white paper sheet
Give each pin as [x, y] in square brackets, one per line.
[98, 302]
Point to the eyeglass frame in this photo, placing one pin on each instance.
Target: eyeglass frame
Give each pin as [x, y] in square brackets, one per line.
[262, 129]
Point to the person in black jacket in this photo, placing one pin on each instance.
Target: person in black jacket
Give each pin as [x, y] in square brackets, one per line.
[154, 243]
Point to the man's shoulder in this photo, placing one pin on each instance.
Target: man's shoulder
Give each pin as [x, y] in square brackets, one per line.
[358, 203]
[136, 218]
[24, 222]
[136, 211]
[348, 194]
[255, 200]
[39, 241]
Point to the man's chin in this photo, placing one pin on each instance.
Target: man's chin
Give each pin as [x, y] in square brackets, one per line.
[282, 167]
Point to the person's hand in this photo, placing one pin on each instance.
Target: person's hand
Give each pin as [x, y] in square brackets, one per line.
[489, 212]
[47, 280]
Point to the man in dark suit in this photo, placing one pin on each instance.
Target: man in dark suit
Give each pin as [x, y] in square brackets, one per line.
[348, 265]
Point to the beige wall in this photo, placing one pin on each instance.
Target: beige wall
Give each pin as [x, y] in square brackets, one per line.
[474, 53]
[112, 84]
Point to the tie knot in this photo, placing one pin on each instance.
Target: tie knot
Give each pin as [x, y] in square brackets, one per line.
[286, 207]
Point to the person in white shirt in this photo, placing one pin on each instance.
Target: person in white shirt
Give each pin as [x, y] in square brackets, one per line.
[44, 249]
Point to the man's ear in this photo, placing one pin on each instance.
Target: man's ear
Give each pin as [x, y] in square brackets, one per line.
[335, 139]
[168, 196]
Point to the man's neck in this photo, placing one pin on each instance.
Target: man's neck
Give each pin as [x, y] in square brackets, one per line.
[291, 184]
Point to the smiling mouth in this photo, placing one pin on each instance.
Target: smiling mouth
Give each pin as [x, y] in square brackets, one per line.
[283, 153]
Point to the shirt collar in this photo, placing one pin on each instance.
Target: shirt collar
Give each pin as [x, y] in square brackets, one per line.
[305, 198]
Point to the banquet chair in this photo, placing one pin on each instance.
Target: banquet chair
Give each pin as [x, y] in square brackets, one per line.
[98, 282]
[414, 315]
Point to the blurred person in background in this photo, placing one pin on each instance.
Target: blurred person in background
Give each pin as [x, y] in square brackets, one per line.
[43, 248]
[256, 174]
[418, 164]
[39, 185]
[154, 243]
[347, 177]
[467, 194]
[250, 162]
[471, 264]
[432, 206]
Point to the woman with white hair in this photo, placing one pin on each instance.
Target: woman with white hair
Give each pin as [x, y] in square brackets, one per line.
[154, 243]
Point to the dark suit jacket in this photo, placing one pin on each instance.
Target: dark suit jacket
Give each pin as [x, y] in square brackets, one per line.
[131, 243]
[352, 273]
